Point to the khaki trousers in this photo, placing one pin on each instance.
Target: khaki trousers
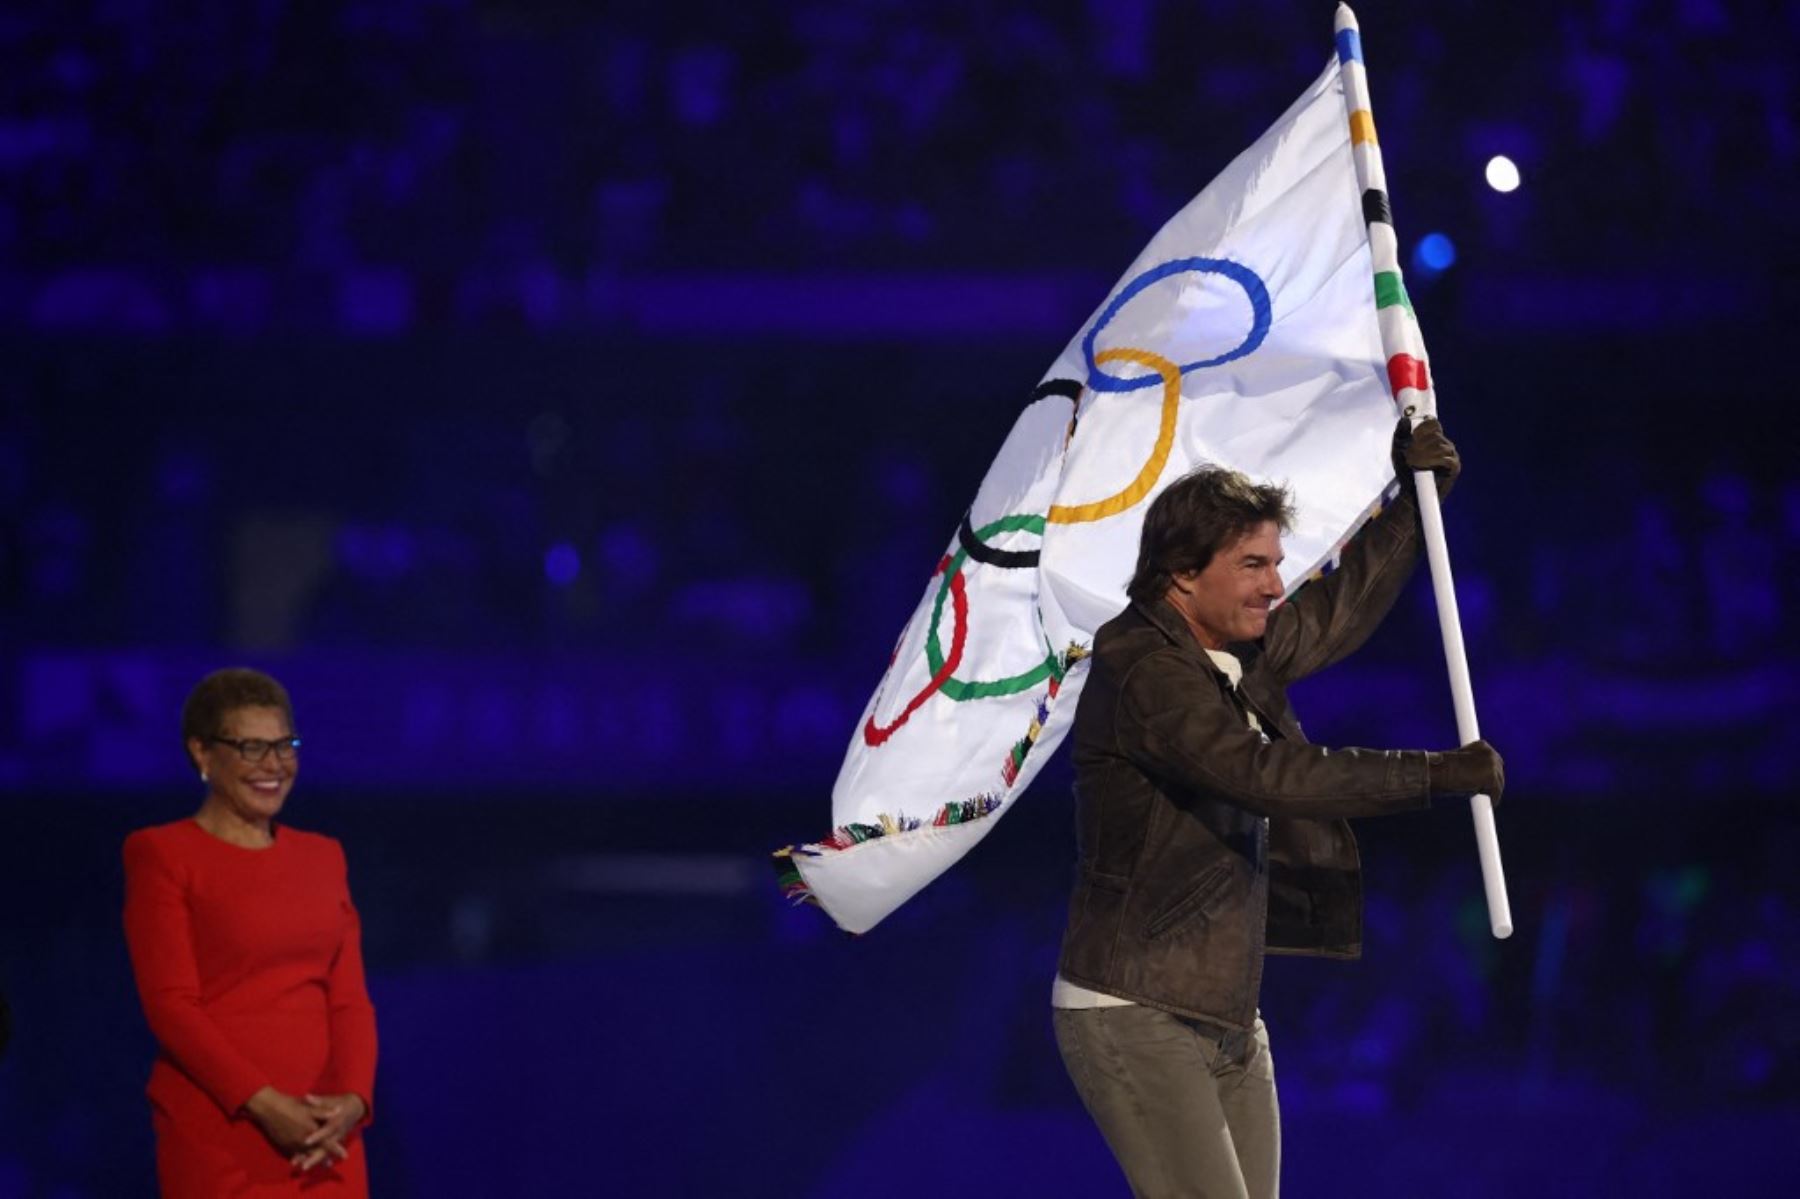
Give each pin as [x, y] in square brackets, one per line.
[1184, 1112]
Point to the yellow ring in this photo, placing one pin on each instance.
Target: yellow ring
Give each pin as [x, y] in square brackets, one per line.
[1159, 456]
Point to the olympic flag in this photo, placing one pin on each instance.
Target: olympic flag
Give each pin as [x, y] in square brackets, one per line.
[1247, 334]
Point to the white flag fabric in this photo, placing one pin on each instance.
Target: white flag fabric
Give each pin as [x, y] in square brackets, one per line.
[1245, 335]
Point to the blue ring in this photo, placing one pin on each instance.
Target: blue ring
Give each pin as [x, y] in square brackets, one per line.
[1237, 272]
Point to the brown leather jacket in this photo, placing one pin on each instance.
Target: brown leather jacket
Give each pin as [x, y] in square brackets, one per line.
[1203, 844]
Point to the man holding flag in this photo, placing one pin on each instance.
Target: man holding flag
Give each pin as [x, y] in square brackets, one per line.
[1265, 334]
[1210, 832]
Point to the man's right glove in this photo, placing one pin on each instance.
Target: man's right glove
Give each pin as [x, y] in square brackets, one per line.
[1475, 769]
[1426, 448]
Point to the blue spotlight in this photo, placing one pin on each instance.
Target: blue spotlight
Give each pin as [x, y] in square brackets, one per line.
[1434, 254]
[561, 564]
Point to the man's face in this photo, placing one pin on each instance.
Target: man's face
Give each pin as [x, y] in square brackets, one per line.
[1229, 600]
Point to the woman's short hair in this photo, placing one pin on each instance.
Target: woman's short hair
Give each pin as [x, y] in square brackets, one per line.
[1194, 518]
[225, 691]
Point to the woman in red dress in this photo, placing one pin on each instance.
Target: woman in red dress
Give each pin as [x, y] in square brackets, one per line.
[248, 960]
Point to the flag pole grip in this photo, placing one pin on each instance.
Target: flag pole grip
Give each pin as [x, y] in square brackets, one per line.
[1462, 692]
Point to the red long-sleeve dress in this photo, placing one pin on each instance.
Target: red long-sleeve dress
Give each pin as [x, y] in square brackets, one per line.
[249, 964]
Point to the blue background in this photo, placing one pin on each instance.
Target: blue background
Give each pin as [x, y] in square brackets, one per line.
[569, 404]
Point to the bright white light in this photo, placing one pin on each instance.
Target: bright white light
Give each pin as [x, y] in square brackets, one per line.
[1502, 173]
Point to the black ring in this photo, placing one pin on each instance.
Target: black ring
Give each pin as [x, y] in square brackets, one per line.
[1008, 559]
[1068, 389]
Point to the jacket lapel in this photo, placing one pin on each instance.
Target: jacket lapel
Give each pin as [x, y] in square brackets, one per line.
[1168, 622]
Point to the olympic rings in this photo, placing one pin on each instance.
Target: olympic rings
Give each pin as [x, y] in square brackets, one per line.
[973, 542]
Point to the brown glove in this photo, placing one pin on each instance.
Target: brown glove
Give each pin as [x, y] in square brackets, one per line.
[1475, 769]
[1426, 448]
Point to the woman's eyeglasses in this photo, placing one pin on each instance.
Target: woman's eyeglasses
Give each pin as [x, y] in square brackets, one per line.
[255, 749]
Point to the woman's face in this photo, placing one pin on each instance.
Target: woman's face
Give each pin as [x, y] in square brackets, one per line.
[253, 790]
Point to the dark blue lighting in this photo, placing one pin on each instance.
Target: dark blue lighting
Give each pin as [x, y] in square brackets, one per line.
[561, 564]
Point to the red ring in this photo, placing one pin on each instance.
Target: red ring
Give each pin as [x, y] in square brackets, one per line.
[873, 734]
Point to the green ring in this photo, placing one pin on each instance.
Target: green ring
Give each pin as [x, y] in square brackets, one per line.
[962, 690]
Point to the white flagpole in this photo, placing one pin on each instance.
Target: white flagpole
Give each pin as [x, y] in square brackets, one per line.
[1462, 693]
[1404, 347]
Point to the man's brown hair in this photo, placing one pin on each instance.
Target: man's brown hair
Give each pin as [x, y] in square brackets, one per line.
[1197, 516]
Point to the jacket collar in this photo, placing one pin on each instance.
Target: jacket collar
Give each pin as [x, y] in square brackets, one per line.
[1169, 623]
[1162, 614]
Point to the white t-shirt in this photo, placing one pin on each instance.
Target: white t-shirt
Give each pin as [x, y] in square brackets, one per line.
[1065, 994]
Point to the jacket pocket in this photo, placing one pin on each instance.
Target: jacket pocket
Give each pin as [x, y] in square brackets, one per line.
[1196, 901]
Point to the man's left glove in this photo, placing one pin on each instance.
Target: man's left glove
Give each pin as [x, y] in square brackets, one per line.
[1426, 448]
[1475, 769]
